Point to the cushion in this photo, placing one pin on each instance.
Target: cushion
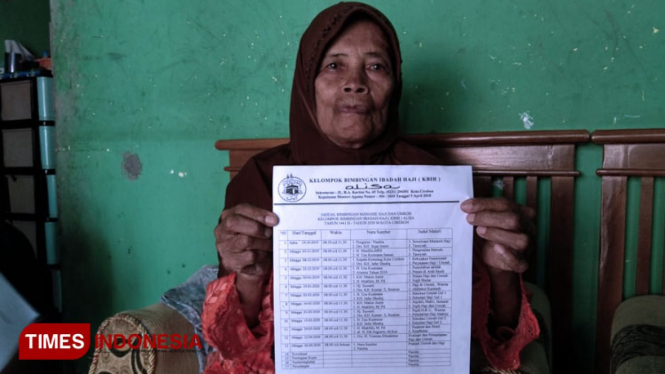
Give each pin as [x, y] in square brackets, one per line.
[155, 319]
[638, 336]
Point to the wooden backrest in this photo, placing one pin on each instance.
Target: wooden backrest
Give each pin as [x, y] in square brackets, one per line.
[626, 154]
[504, 157]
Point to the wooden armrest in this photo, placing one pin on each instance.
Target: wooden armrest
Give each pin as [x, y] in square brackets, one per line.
[154, 319]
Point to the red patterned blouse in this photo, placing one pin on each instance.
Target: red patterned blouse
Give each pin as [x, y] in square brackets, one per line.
[240, 349]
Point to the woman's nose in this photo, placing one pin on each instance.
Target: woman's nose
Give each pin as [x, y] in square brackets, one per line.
[356, 82]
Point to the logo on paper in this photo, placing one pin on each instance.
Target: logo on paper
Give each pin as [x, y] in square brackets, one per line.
[292, 189]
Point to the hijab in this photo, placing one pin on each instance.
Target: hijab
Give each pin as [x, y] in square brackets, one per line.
[308, 145]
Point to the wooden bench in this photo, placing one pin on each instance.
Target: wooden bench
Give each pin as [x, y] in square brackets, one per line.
[626, 154]
[505, 159]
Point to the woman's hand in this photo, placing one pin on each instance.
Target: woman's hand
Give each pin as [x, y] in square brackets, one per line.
[507, 229]
[504, 231]
[244, 243]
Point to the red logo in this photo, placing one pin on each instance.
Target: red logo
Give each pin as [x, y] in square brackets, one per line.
[163, 342]
[54, 341]
[71, 341]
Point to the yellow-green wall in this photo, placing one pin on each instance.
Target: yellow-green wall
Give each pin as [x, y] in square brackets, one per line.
[155, 83]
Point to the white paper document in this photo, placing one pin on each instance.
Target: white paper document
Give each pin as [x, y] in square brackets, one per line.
[15, 315]
[372, 269]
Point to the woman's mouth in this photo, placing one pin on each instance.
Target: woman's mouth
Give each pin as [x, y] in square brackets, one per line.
[353, 109]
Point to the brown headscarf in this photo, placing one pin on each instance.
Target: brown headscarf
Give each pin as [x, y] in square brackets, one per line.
[309, 146]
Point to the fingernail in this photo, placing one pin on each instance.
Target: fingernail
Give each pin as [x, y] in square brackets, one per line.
[481, 230]
[471, 217]
[466, 204]
[268, 232]
[271, 220]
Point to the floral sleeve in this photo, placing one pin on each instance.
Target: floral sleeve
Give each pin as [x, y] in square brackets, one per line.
[503, 350]
[239, 349]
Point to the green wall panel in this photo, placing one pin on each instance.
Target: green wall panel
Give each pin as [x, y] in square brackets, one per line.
[157, 82]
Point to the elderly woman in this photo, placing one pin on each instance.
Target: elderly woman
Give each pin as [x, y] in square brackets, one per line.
[344, 111]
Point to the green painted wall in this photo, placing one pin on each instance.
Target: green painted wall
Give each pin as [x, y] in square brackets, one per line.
[26, 21]
[144, 88]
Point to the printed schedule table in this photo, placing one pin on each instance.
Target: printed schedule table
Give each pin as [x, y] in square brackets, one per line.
[352, 298]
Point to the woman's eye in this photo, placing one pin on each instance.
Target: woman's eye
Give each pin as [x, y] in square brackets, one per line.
[332, 66]
[377, 67]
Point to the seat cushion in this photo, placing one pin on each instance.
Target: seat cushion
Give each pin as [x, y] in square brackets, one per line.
[638, 335]
[154, 319]
[125, 360]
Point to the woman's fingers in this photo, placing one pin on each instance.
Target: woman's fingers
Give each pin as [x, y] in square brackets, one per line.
[499, 213]
[516, 240]
[247, 220]
[506, 229]
[494, 204]
[244, 240]
[501, 257]
[235, 243]
[503, 220]
[251, 212]
[251, 262]
[528, 212]
[260, 266]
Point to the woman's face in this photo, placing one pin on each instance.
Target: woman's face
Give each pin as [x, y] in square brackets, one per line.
[354, 86]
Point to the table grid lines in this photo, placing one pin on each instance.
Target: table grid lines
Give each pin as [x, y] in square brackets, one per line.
[378, 288]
